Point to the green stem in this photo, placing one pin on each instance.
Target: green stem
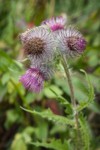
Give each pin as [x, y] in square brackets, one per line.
[64, 62]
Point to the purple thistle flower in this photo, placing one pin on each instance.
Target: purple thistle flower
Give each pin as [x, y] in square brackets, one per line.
[55, 24]
[38, 44]
[33, 80]
[34, 77]
[70, 42]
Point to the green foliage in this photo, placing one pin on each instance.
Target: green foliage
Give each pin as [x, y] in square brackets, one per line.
[21, 139]
[64, 102]
[54, 144]
[47, 91]
[18, 143]
[86, 103]
[47, 114]
[63, 121]
[85, 133]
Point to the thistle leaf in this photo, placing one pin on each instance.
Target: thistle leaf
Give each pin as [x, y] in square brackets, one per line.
[47, 114]
[54, 144]
[86, 103]
[85, 134]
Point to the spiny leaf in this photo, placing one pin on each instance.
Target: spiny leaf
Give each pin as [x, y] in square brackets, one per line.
[52, 117]
[53, 144]
[86, 103]
[85, 134]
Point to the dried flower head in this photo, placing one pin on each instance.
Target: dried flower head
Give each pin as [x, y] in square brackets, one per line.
[38, 43]
[70, 42]
[55, 24]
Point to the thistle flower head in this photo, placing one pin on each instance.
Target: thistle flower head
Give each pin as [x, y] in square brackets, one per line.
[33, 80]
[70, 42]
[55, 24]
[34, 46]
[35, 76]
[47, 69]
[38, 43]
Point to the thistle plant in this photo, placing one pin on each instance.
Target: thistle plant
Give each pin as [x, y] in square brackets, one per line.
[44, 46]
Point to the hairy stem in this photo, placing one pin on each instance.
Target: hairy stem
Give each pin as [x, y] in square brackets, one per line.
[65, 65]
[64, 62]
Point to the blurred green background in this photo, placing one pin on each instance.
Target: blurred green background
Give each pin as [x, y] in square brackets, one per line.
[16, 126]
